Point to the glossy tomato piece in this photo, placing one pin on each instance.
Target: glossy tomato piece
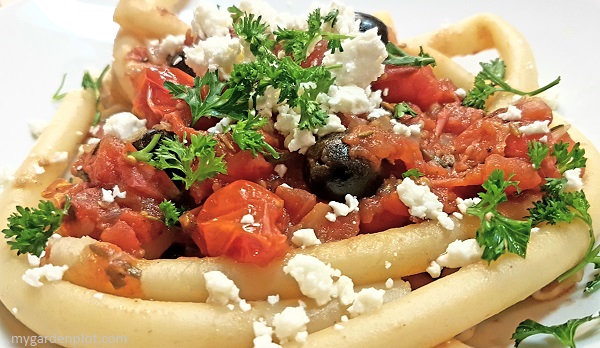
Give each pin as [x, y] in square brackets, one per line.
[109, 165]
[153, 101]
[416, 85]
[243, 221]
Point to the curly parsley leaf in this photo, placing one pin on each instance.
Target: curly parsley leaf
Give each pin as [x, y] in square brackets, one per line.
[32, 227]
[402, 109]
[567, 160]
[170, 212]
[397, 56]
[491, 80]
[218, 102]
[194, 162]
[565, 332]
[253, 30]
[498, 234]
[537, 152]
[594, 284]
[412, 173]
[245, 134]
[298, 42]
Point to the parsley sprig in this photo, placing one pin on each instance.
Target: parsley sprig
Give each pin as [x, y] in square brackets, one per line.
[298, 42]
[565, 332]
[497, 233]
[491, 80]
[189, 163]
[170, 212]
[32, 227]
[557, 204]
[397, 56]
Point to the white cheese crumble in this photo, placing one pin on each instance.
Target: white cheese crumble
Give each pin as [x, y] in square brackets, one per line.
[343, 209]
[314, 277]
[389, 283]
[464, 204]
[305, 237]
[352, 100]
[37, 127]
[458, 254]
[109, 196]
[217, 53]
[460, 92]
[280, 169]
[263, 335]
[574, 181]
[273, 299]
[38, 169]
[512, 113]
[423, 203]
[360, 61]
[221, 126]
[367, 300]
[221, 290]
[210, 20]
[34, 260]
[537, 127]
[33, 276]
[290, 324]
[400, 128]
[169, 46]
[125, 126]
[15, 310]
[99, 296]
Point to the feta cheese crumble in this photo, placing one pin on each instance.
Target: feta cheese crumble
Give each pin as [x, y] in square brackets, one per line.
[360, 60]
[223, 291]
[33, 276]
[537, 127]
[125, 126]
[210, 20]
[305, 237]
[458, 254]
[290, 324]
[367, 300]
[217, 53]
[423, 203]
[574, 181]
[109, 196]
[512, 113]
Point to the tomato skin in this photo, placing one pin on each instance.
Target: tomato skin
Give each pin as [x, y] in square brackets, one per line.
[384, 210]
[297, 202]
[153, 101]
[219, 231]
[326, 231]
[416, 85]
[108, 165]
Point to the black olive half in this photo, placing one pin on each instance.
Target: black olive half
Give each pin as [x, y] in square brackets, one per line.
[331, 173]
[368, 21]
[178, 61]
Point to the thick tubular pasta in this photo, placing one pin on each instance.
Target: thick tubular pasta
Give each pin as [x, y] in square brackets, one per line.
[474, 35]
[150, 19]
[408, 250]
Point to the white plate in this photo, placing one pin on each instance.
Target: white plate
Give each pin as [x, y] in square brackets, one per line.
[42, 40]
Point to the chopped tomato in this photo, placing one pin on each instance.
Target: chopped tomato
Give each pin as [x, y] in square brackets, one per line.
[521, 169]
[342, 228]
[109, 165]
[377, 144]
[383, 210]
[243, 221]
[297, 202]
[153, 101]
[415, 85]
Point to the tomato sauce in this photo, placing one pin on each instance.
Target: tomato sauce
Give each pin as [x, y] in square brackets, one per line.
[248, 214]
